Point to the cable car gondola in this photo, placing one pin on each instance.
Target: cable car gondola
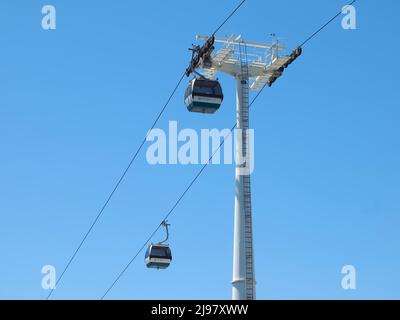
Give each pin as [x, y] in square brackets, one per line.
[203, 95]
[159, 255]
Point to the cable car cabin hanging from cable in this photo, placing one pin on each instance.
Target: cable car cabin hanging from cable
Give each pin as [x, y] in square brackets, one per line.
[203, 95]
[158, 256]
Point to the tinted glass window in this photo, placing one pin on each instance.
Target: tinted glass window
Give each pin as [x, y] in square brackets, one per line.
[217, 91]
[203, 90]
[158, 252]
[188, 91]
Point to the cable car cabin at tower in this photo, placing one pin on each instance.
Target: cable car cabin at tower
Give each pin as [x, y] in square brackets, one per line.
[158, 256]
[203, 95]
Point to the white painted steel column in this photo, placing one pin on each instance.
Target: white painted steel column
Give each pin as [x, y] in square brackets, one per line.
[243, 283]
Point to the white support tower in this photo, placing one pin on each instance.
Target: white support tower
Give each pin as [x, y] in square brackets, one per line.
[253, 71]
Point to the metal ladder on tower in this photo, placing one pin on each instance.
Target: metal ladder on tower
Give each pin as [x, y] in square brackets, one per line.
[248, 236]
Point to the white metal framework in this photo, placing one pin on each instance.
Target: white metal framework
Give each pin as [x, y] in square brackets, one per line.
[265, 64]
[252, 70]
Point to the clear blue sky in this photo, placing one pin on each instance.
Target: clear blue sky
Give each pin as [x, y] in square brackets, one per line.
[76, 102]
